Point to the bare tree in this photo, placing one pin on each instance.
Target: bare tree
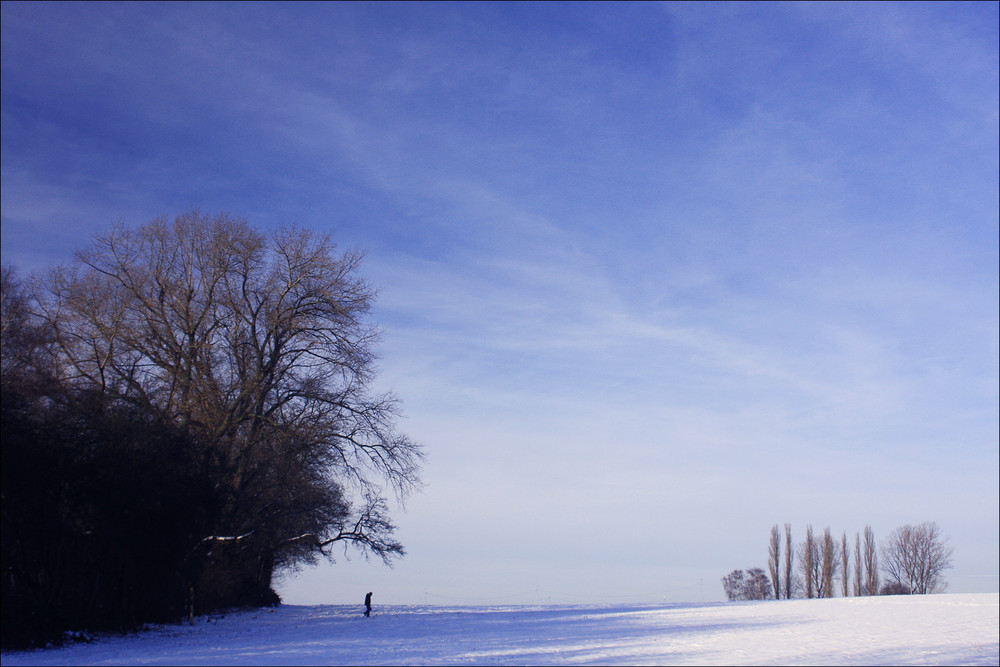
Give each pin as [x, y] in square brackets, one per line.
[25, 342]
[259, 345]
[858, 572]
[871, 563]
[789, 554]
[828, 568]
[808, 562]
[734, 585]
[818, 564]
[14, 316]
[915, 557]
[774, 560]
[758, 586]
[752, 585]
[845, 572]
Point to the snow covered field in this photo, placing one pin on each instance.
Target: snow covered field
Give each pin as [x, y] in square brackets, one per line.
[936, 629]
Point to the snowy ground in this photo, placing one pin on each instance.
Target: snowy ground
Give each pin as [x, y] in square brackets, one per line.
[937, 629]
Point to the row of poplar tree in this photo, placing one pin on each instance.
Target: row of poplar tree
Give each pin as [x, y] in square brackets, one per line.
[913, 559]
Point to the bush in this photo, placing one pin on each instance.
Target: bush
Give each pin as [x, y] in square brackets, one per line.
[894, 588]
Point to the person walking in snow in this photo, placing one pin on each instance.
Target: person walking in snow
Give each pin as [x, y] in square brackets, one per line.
[368, 604]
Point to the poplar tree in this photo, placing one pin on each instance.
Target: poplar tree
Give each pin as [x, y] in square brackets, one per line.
[789, 553]
[774, 560]
[871, 562]
[828, 567]
[807, 561]
[858, 574]
[845, 573]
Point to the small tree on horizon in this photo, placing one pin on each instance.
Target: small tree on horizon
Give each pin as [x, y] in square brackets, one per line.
[758, 586]
[733, 585]
[915, 557]
[750, 585]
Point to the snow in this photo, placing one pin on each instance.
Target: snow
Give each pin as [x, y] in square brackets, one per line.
[934, 629]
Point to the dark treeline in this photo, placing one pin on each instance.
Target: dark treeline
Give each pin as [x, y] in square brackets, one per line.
[103, 510]
[183, 414]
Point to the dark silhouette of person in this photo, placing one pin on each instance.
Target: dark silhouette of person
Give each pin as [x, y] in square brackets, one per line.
[368, 604]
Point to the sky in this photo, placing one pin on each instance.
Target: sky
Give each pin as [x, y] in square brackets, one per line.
[653, 277]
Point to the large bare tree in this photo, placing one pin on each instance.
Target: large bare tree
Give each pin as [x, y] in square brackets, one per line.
[260, 345]
[916, 557]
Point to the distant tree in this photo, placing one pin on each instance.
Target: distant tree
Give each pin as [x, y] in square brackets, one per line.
[818, 563]
[916, 557]
[871, 563]
[774, 560]
[828, 567]
[808, 562]
[751, 585]
[858, 566]
[734, 585]
[845, 572]
[758, 586]
[789, 555]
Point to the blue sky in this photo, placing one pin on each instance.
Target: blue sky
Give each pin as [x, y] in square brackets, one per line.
[654, 277]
